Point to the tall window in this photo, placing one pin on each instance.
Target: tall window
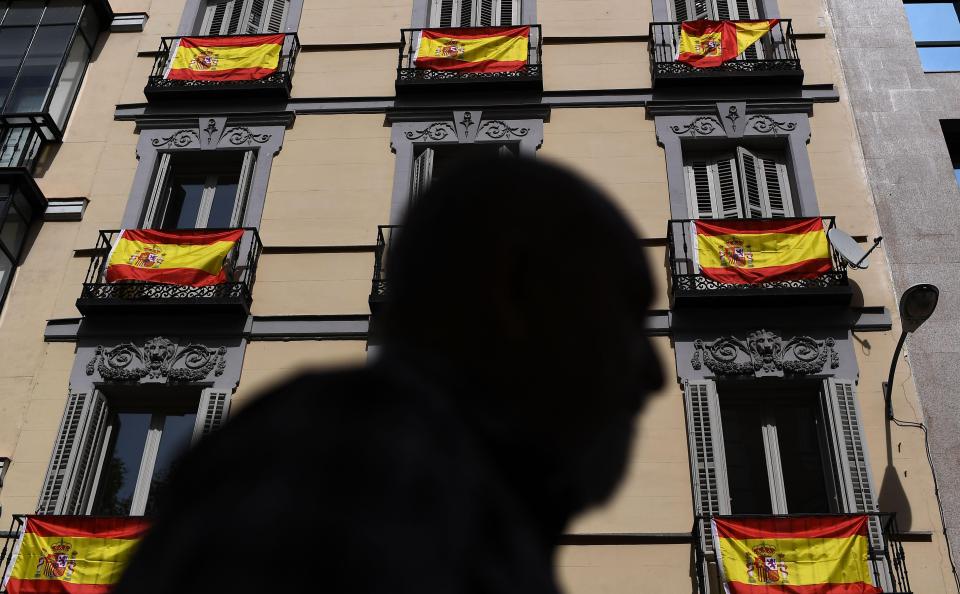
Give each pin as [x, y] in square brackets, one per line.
[936, 30]
[743, 183]
[200, 190]
[474, 13]
[951, 133]
[242, 17]
[44, 49]
[16, 213]
[434, 163]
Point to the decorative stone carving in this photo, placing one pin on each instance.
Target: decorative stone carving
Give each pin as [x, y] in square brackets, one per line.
[733, 116]
[211, 129]
[765, 124]
[497, 129]
[179, 139]
[703, 125]
[158, 360]
[242, 135]
[764, 354]
[435, 131]
[467, 120]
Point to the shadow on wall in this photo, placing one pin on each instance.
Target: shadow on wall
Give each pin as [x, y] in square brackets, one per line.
[893, 497]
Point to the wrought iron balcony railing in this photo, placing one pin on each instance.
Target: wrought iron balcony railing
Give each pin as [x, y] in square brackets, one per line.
[7, 548]
[278, 83]
[885, 558]
[409, 77]
[772, 59]
[378, 290]
[233, 296]
[689, 287]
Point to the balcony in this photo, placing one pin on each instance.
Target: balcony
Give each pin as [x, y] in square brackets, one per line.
[774, 60]
[276, 85]
[378, 290]
[234, 296]
[688, 287]
[885, 558]
[412, 80]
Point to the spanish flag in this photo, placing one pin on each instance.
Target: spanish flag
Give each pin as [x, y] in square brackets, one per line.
[72, 554]
[474, 49]
[794, 555]
[751, 251]
[708, 44]
[177, 257]
[243, 57]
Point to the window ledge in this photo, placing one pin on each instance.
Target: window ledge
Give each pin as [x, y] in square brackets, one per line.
[65, 209]
[128, 22]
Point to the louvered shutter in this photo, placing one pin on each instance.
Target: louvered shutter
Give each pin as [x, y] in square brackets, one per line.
[691, 10]
[765, 184]
[70, 474]
[751, 179]
[466, 13]
[713, 188]
[850, 450]
[4, 467]
[509, 12]
[212, 412]
[243, 189]
[707, 459]
[157, 203]
[276, 16]
[441, 13]
[254, 16]
[422, 173]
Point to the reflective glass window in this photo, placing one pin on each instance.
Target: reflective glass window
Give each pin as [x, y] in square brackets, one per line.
[39, 69]
[24, 12]
[13, 230]
[122, 465]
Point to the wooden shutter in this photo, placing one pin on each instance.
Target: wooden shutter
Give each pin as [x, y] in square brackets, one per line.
[707, 459]
[422, 173]
[70, 474]
[691, 10]
[713, 187]
[212, 412]
[253, 19]
[441, 13]
[765, 184]
[509, 12]
[276, 16]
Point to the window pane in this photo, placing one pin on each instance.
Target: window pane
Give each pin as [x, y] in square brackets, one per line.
[800, 458]
[27, 12]
[746, 461]
[223, 200]
[186, 192]
[13, 229]
[69, 81]
[62, 12]
[13, 45]
[177, 431]
[6, 272]
[940, 59]
[119, 475]
[934, 21]
[39, 68]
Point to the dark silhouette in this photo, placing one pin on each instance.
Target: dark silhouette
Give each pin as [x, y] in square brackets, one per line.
[502, 403]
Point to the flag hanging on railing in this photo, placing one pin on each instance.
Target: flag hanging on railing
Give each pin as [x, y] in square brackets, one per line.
[708, 44]
[474, 49]
[191, 257]
[799, 554]
[243, 57]
[72, 554]
[751, 251]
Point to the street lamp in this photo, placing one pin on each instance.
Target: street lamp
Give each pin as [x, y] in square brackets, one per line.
[916, 306]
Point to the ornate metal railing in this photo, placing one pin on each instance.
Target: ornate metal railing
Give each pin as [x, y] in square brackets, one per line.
[409, 75]
[686, 280]
[9, 539]
[385, 234]
[774, 55]
[240, 266]
[886, 559]
[277, 83]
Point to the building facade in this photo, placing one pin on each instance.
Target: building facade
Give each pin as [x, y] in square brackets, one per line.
[776, 404]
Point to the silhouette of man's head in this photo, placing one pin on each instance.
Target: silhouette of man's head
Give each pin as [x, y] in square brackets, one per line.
[523, 288]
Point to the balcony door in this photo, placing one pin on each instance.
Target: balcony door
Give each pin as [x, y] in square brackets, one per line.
[738, 184]
[244, 17]
[435, 163]
[474, 13]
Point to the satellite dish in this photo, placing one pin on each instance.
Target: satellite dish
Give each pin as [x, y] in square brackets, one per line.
[849, 249]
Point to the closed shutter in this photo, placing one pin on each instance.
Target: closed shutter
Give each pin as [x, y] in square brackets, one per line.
[733, 10]
[441, 13]
[254, 16]
[466, 13]
[212, 412]
[713, 188]
[509, 12]
[850, 451]
[707, 459]
[474, 13]
[691, 10]
[66, 486]
[276, 16]
[765, 185]
[422, 174]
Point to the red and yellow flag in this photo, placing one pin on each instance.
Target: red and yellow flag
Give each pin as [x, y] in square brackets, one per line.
[474, 49]
[708, 44]
[243, 57]
[751, 251]
[72, 554]
[191, 257]
[794, 555]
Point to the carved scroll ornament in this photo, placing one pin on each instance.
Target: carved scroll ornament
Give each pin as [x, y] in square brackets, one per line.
[158, 360]
[765, 354]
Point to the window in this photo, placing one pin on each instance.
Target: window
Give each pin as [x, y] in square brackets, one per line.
[200, 190]
[951, 133]
[44, 50]
[775, 443]
[474, 13]
[936, 30]
[433, 163]
[725, 10]
[738, 184]
[15, 216]
[240, 17]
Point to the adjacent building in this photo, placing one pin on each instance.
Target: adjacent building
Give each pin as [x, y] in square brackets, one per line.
[776, 402]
